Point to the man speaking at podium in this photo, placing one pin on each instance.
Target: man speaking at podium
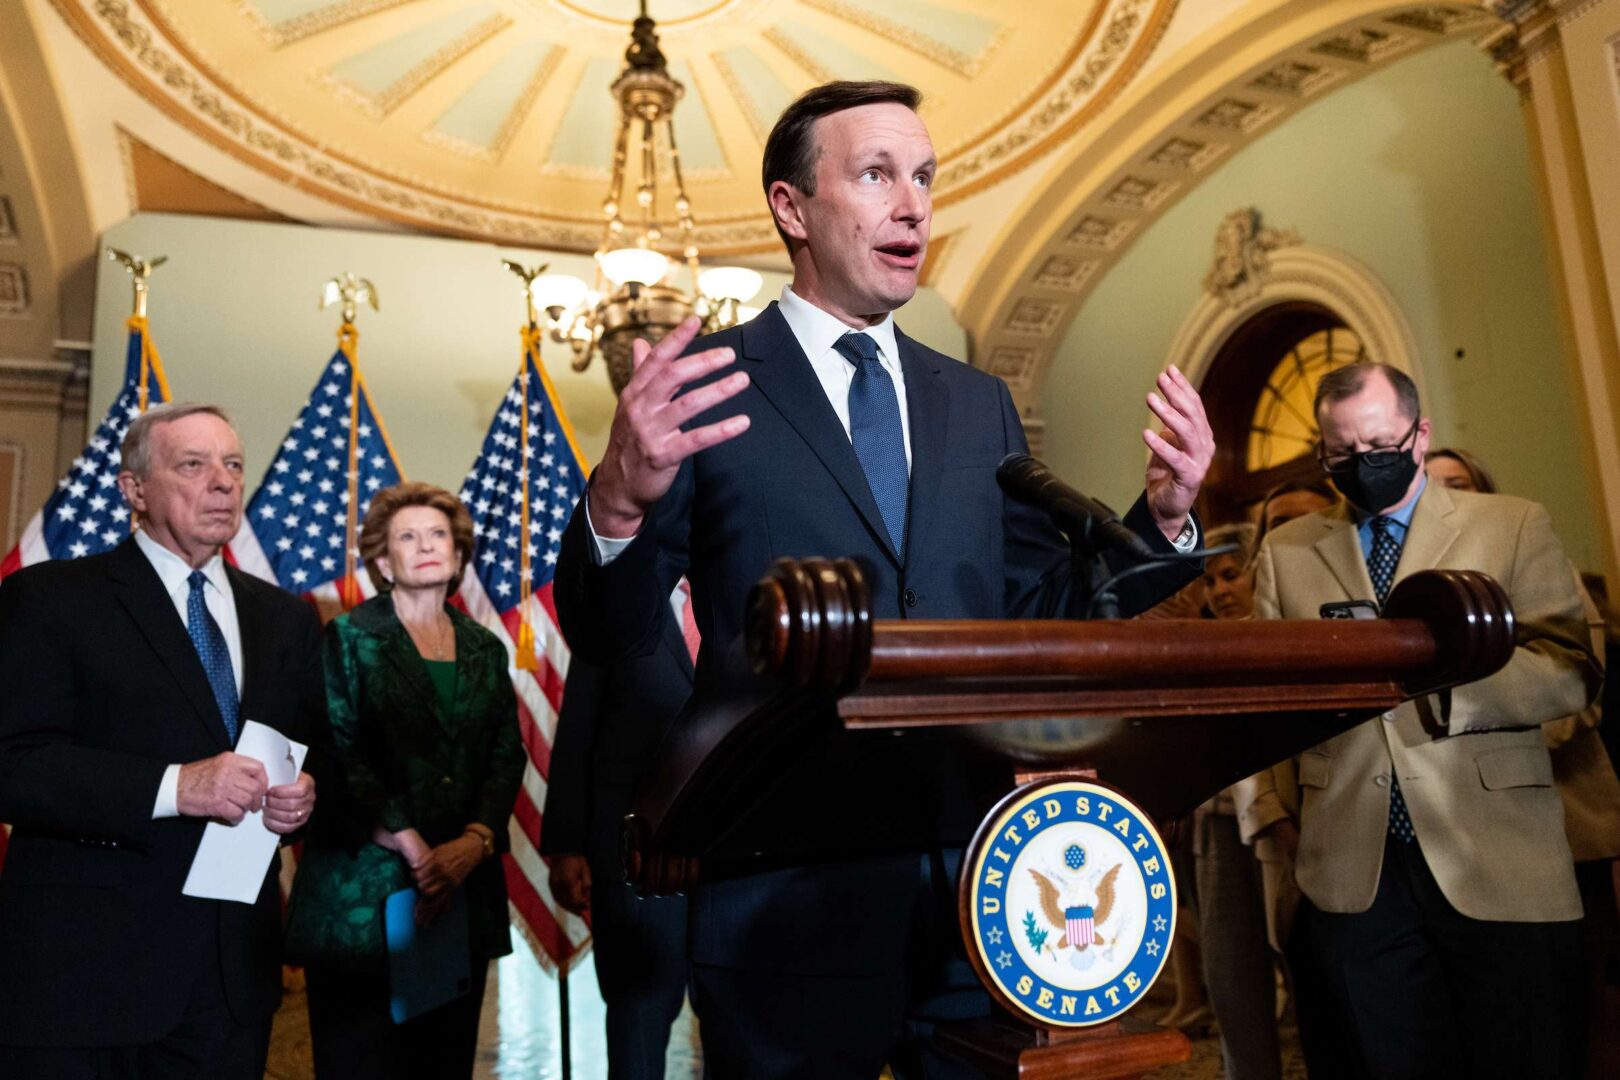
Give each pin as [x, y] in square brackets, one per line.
[819, 428]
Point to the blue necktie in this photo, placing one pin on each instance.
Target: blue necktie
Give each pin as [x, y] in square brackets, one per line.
[1386, 555]
[212, 651]
[875, 431]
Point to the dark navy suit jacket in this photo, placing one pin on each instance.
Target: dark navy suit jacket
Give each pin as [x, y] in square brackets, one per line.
[100, 690]
[792, 486]
[612, 720]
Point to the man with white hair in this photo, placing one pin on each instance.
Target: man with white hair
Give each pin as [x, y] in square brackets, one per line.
[125, 679]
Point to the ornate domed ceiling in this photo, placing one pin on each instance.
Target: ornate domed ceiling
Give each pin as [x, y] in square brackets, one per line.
[493, 118]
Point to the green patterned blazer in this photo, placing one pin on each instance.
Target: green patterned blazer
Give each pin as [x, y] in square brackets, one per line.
[405, 761]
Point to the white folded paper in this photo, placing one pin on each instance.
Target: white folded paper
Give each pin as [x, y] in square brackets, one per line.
[232, 859]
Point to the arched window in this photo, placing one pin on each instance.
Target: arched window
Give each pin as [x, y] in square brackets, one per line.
[1258, 391]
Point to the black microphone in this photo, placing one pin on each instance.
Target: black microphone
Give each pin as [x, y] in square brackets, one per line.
[1086, 521]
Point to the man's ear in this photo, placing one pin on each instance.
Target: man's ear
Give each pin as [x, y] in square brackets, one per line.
[787, 207]
[130, 485]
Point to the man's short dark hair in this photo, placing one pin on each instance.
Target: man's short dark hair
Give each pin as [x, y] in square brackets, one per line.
[791, 150]
[1346, 382]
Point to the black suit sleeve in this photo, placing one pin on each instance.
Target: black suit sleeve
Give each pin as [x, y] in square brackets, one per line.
[1039, 579]
[566, 827]
[49, 781]
[615, 612]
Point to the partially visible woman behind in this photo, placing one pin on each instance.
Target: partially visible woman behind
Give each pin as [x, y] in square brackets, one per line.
[423, 722]
[1585, 778]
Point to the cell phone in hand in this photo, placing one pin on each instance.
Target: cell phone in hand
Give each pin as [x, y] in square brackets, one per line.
[1349, 609]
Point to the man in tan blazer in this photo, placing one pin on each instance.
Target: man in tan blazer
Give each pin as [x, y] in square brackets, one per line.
[1440, 899]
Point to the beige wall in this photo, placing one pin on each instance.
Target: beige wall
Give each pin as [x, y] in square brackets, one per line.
[1421, 173]
[234, 314]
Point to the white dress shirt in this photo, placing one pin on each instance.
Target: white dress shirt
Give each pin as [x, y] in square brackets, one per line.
[816, 332]
[175, 573]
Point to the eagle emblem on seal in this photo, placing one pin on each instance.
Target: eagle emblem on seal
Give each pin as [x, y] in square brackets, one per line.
[1075, 907]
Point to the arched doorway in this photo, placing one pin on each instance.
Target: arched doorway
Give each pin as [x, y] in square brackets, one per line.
[1258, 390]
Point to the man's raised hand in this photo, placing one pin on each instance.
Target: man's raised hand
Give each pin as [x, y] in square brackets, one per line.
[646, 445]
[1182, 452]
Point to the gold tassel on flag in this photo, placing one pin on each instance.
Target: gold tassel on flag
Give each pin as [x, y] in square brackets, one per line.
[350, 291]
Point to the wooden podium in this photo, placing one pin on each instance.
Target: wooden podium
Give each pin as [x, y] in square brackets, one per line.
[1147, 717]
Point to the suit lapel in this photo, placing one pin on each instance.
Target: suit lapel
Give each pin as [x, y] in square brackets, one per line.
[396, 646]
[474, 665]
[141, 592]
[783, 374]
[927, 407]
[1341, 550]
[1431, 534]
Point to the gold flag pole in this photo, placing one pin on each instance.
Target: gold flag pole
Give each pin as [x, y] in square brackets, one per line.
[140, 272]
[526, 659]
[350, 291]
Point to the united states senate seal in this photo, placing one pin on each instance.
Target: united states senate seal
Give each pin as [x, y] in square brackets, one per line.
[1069, 903]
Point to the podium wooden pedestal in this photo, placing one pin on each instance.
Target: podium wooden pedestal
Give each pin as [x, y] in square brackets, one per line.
[1162, 714]
[1120, 1050]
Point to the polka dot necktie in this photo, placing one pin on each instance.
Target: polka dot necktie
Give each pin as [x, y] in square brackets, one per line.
[209, 641]
[1386, 554]
[875, 431]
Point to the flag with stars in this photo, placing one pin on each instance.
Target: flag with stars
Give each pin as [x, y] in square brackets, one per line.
[87, 514]
[296, 530]
[529, 439]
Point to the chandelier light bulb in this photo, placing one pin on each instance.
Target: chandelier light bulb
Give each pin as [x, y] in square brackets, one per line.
[563, 291]
[641, 265]
[730, 283]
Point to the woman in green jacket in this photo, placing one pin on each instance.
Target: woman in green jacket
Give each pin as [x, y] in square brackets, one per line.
[424, 728]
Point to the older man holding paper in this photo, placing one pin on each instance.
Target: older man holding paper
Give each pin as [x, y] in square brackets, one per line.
[126, 680]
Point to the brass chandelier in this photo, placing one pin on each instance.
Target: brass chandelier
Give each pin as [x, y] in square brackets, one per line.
[632, 296]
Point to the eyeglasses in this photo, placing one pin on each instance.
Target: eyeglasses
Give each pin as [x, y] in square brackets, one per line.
[1379, 457]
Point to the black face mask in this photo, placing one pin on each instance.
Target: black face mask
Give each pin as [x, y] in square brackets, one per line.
[1375, 489]
[1375, 480]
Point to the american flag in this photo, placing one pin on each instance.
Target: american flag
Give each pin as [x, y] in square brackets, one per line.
[297, 530]
[514, 535]
[87, 514]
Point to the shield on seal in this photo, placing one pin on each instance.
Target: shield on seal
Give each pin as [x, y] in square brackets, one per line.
[1080, 927]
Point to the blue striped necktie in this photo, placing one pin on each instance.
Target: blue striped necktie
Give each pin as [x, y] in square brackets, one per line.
[1386, 555]
[209, 641]
[875, 431]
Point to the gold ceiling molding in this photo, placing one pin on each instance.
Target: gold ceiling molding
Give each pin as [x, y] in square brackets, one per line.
[1134, 27]
[173, 55]
[380, 105]
[312, 22]
[510, 125]
[512, 122]
[791, 50]
[868, 18]
[739, 94]
[130, 50]
[1082, 219]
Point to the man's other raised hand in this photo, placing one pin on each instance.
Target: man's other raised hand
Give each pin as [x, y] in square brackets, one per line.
[646, 445]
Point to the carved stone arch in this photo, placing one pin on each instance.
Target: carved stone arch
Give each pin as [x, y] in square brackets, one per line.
[1163, 137]
[1303, 272]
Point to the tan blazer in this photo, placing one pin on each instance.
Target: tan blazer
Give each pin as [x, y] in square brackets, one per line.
[1581, 766]
[1477, 778]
